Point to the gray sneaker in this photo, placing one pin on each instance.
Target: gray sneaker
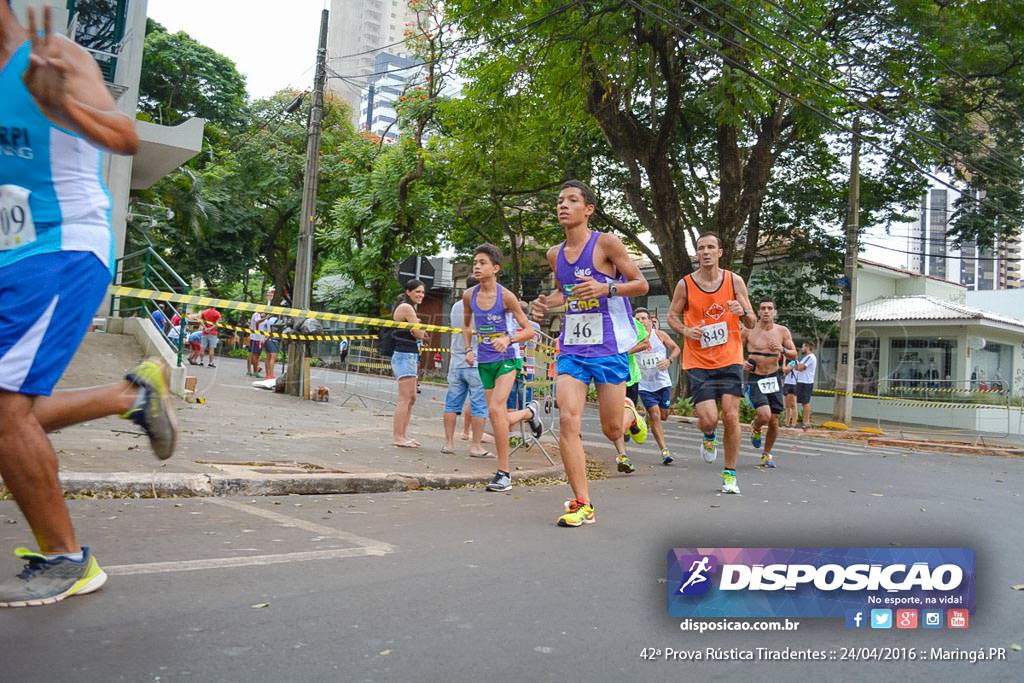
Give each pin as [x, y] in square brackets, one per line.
[155, 414]
[536, 426]
[500, 482]
[44, 581]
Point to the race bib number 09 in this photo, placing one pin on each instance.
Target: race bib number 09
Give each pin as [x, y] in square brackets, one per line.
[16, 226]
[584, 328]
[714, 335]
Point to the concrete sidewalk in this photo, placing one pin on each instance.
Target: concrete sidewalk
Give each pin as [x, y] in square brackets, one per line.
[249, 441]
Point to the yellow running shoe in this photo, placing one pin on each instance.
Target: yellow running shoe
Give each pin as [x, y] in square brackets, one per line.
[153, 411]
[639, 429]
[578, 514]
[44, 581]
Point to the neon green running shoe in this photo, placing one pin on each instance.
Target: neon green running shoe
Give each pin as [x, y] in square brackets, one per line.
[755, 437]
[153, 410]
[709, 448]
[729, 482]
[577, 514]
[624, 463]
[639, 429]
[44, 581]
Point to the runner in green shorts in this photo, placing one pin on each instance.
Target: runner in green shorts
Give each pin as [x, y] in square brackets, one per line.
[493, 311]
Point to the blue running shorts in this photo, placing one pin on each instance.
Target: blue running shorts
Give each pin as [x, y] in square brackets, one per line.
[602, 370]
[47, 303]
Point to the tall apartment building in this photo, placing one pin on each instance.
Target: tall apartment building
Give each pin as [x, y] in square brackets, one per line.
[930, 251]
[356, 31]
[378, 100]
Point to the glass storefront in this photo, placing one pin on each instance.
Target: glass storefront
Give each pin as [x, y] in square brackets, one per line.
[865, 365]
[991, 367]
[922, 363]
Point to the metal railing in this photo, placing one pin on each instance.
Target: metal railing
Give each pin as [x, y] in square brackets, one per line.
[146, 269]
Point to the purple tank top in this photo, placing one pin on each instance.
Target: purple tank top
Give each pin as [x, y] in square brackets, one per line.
[489, 325]
[597, 327]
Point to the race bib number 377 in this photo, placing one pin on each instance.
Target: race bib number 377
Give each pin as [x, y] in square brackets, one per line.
[16, 226]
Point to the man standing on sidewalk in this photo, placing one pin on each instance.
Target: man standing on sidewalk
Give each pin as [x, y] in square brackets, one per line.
[55, 250]
[463, 381]
[252, 366]
[209, 319]
[595, 277]
[707, 308]
[806, 368]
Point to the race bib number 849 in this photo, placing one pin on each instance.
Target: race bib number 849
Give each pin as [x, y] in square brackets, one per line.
[714, 335]
[16, 226]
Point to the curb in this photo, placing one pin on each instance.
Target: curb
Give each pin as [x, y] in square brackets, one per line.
[170, 485]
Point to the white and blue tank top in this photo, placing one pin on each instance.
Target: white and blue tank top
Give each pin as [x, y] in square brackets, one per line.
[52, 194]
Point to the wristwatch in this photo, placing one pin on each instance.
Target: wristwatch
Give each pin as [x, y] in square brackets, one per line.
[612, 290]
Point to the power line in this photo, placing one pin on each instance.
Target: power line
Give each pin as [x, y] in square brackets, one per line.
[1008, 162]
[937, 58]
[750, 72]
[819, 78]
[938, 256]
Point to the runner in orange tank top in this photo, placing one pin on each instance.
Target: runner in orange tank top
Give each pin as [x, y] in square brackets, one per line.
[707, 308]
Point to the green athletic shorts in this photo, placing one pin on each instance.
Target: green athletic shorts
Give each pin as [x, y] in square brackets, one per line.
[492, 371]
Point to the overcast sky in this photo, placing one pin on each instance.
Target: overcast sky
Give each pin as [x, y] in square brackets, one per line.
[273, 43]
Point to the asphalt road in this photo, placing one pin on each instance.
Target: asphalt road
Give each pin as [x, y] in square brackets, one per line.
[467, 585]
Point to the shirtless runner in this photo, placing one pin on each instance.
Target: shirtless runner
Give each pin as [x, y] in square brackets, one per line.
[765, 343]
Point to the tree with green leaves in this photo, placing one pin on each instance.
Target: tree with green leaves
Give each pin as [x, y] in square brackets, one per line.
[704, 105]
[183, 78]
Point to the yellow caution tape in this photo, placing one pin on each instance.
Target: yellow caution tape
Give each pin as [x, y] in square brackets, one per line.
[298, 337]
[910, 402]
[208, 302]
[251, 307]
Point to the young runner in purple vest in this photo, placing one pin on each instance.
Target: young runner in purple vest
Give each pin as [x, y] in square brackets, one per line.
[595, 277]
[492, 311]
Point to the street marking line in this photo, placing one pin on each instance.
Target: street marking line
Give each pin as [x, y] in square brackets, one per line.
[252, 561]
[367, 543]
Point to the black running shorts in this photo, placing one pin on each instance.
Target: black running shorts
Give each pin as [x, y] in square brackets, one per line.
[711, 385]
[756, 385]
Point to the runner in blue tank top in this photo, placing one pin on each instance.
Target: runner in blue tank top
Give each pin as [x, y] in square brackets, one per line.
[492, 311]
[595, 277]
[55, 260]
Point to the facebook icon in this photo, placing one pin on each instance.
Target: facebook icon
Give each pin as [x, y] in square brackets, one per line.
[855, 618]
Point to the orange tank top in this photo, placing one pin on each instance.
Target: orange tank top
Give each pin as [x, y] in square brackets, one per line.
[720, 345]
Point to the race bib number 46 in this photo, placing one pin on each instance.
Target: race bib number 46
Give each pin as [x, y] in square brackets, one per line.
[584, 328]
[16, 226]
[714, 335]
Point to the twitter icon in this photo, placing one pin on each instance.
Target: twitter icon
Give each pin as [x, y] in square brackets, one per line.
[881, 618]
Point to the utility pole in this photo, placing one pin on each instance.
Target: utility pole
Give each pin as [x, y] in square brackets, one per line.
[843, 407]
[295, 380]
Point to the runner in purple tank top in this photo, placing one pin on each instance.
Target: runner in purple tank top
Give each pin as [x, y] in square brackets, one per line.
[492, 311]
[595, 277]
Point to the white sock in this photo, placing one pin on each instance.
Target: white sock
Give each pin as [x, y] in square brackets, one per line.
[74, 557]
